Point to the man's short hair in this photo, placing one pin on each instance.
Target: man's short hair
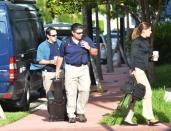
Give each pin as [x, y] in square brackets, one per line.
[76, 26]
[49, 29]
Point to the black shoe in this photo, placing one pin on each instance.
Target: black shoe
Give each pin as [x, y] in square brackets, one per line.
[152, 122]
[129, 124]
[72, 120]
[81, 118]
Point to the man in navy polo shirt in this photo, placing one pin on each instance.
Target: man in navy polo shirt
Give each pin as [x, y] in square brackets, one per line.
[77, 78]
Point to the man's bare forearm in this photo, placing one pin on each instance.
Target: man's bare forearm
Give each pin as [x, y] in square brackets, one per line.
[93, 51]
[59, 63]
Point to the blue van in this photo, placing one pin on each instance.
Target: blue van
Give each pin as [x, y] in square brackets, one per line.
[21, 29]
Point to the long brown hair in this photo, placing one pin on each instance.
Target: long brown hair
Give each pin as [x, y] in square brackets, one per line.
[138, 30]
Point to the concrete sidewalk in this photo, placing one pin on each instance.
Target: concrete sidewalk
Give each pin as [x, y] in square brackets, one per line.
[98, 106]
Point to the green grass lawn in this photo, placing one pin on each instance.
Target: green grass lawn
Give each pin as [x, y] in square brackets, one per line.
[161, 108]
[12, 117]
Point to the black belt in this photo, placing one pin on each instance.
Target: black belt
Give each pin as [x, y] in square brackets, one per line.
[49, 70]
[77, 65]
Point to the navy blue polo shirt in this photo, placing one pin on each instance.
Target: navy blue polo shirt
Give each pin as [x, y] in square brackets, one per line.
[74, 53]
[53, 50]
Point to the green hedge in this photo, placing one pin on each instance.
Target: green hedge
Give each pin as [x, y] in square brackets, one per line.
[162, 42]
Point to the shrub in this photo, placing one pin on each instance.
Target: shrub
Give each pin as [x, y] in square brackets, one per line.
[162, 42]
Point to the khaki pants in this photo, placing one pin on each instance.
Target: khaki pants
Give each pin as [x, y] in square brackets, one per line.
[147, 101]
[77, 85]
[47, 82]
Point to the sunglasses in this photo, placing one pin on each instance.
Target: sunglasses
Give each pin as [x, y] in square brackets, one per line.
[53, 35]
[78, 33]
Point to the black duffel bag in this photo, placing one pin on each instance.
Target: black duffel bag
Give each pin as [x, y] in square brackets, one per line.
[138, 92]
[133, 88]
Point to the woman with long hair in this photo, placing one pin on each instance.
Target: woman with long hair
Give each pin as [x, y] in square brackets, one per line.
[140, 54]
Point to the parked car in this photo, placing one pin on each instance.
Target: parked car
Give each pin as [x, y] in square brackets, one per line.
[21, 29]
[114, 39]
[116, 57]
[103, 48]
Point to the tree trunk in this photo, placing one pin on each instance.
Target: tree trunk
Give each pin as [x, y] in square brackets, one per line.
[143, 14]
[122, 32]
[87, 22]
[109, 43]
[147, 10]
[98, 64]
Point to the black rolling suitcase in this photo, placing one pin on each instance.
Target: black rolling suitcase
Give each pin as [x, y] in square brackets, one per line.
[57, 102]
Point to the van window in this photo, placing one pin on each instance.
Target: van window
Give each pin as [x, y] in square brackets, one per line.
[2, 21]
[38, 32]
[23, 36]
[2, 28]
[3, 45]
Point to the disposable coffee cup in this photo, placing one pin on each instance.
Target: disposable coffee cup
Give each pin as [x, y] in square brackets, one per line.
[155, 55]
[55, 58]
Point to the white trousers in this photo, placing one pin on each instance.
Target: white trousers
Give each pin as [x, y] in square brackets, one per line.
[147, 101]
[77, 86]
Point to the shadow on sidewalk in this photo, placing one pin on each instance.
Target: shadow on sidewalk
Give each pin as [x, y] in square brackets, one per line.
[101, 100]
[43, 113]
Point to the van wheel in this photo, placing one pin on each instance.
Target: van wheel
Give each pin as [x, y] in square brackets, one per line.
[25, 100]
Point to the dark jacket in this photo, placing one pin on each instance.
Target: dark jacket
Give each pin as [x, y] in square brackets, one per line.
[140, 51]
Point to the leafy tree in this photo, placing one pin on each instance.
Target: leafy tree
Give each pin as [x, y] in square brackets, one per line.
[71, 18]
[141, 10]
[58, 7]
[45, 12]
